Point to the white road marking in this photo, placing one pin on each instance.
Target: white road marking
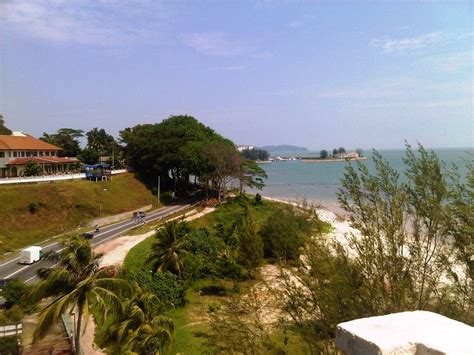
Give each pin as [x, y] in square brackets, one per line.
[16, 272]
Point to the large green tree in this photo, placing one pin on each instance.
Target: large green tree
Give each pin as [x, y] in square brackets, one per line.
[67, 139]
[77, 284]
[102, 142]
[170, 149]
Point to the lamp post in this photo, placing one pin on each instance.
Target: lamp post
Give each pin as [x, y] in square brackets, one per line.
[100, 200]
[72, 313]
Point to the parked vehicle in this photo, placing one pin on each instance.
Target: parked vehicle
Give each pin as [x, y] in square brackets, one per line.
[88, 235]
[97, 228]
[31, 255]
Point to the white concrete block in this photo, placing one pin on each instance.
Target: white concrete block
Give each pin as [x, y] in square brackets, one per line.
[417, 332]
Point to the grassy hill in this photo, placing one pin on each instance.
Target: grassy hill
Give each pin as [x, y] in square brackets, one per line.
[33, 212]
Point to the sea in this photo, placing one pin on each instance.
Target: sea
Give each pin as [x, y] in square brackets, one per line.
[318, 182]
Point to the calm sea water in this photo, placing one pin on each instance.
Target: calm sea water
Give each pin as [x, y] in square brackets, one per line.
[319, 182]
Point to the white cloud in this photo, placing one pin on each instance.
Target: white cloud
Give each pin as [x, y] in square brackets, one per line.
[406, 44]
[220, 44]
[450, 62]
[90, 22]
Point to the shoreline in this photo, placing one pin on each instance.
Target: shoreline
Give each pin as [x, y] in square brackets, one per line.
[331, 160]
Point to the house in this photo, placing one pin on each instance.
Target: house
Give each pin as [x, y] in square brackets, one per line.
[17, 149]
[241, 148]
[350, 155]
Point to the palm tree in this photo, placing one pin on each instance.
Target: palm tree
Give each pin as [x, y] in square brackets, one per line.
[77, 283]
[167, 253]
[143, 330]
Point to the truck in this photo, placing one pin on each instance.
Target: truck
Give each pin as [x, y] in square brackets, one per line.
[31, 255]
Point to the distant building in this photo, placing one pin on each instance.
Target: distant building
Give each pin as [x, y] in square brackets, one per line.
[17, 149]
[241, 148]
[349, 155]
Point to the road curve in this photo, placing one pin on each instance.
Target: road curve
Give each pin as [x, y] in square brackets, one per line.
[12, 269]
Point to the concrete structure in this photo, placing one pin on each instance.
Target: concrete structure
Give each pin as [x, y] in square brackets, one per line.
[49, 178]
[349, 155]
[17, 149]
[417, 332]
[241, 148]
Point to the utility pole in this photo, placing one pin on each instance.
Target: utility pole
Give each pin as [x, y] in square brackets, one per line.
[158, 190]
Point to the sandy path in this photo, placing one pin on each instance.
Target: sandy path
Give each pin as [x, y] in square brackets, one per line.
[115, 251]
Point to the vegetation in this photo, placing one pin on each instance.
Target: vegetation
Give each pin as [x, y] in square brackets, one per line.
[323, 154]
[77, 284]
[32, 168]
[256, 154]
[3, 129]
[67, 139]
[37, 212]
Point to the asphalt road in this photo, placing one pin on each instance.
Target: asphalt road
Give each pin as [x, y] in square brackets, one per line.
[10, 269]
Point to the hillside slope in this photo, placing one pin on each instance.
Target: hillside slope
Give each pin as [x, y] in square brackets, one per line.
[34, 212]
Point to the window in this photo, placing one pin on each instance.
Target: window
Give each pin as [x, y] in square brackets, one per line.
[46, 153]
[2, 154]
[35, 154]
[15, 154]
[41, 154]
[22, 154]
[28, 154]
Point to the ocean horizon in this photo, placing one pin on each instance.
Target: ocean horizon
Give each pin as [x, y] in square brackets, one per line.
[318, 183]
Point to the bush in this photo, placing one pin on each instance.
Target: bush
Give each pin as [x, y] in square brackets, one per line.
[13, 292]
[164, 285]
[9, 346]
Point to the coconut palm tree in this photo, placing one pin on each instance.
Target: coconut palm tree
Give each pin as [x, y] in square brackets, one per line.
[142, 329]
[167, 253]
[77, 283]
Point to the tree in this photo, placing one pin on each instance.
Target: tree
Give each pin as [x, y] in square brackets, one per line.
[251, 175]
[341, 150]
[102, 142]
[171, 149]
[250, 252]
[13, 292]
[323, 154]
[3, 129]
[335, 151]
[224, 163]
[32, 168]
[360, 152]
[256, 154]
[77, 283]
[89, 156]
[67, 139]
[167, 253]
[141, 329]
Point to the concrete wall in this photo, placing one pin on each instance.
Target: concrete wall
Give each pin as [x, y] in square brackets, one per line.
[417, 332]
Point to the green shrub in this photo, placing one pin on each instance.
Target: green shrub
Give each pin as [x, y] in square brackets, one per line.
[13, 292]
[164, 285]
[9, 345]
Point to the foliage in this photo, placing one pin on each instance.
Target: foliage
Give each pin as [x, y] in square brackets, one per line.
[341, 150]
[89, 156]
[256, 154]
[67, 139]
[32, 168]
[360, 152]
[3, 129]
[170, 149]
[250, 249]
[165, 285]
[224, 163]
[326, 289]
[101, 142]
[34, 207]
[323, 154]
[287, 230]
[237, 328]
[13, 292]
[9, 345]
[167, 253]
[140, 329]
[77, 282]
[251, 175]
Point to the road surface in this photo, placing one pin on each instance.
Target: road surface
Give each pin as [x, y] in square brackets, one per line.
[10, 269]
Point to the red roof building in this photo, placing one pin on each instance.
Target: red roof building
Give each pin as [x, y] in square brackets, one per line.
[18, 149]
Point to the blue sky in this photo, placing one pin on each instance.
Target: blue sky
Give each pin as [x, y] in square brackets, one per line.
[318, 74]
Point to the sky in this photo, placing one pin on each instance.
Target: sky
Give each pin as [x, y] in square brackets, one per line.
[318, 74]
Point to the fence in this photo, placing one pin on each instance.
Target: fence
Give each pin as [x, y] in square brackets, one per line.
[9, 330]
[49, 178]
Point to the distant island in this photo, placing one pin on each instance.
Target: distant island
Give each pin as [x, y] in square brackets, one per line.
[284, 148]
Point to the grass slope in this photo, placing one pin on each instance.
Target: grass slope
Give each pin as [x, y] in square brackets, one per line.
[63, 205]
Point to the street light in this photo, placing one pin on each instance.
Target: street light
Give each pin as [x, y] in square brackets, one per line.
[100, 200]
